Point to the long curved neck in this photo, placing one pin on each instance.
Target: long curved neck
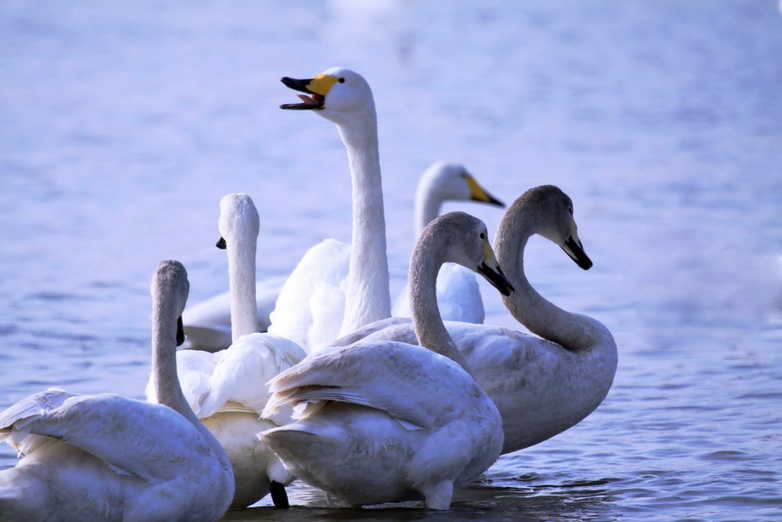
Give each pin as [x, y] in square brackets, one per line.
[241, 286]
[425, 263]
[368, 298]
[427, 206]
[165, 383]
[574, 332]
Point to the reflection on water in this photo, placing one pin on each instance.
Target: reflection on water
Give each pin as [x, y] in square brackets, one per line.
[121, 127]
[515, 499]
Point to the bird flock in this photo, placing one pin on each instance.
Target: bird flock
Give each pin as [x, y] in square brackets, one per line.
[320, 376]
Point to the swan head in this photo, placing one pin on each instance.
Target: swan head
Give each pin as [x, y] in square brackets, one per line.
[451, 181]
[560, 227]
[465, 241]
[337, 94]
[171, 277]
[238, 219]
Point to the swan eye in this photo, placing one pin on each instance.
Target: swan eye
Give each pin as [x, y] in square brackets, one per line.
[341, 80]
[570, 210]
[483, 236]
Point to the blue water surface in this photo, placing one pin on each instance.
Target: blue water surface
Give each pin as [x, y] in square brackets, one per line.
[123, 124]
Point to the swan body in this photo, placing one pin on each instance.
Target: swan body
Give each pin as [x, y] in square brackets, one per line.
[107, 457]
[226, 389]
[387, 421]
[541, 385]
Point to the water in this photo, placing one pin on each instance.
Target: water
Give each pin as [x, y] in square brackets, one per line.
[122, 125]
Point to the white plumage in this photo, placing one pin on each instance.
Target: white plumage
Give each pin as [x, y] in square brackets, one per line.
[386, 421]
[227, 389]
[107, 457]
[541, 385]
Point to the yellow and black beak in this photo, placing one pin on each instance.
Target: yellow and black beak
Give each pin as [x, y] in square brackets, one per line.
[315, 91]
[312, 102]
[480, 194]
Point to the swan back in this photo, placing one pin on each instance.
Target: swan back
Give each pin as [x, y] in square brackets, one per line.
[383, 422]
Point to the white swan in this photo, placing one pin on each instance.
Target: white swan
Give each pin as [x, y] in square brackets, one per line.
[311, 313]
[458, 295]
[319, 302]
[386, 421]
[107, 457]
[540, 386]
[226, 389]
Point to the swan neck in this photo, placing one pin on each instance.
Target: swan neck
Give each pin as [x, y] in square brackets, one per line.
[368, 298]
[573, 332]
[427, 207]
[241, 286]
[430, 330]
[165, 383]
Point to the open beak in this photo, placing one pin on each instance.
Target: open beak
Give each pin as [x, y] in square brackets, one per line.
[311, 100]
[575, 251]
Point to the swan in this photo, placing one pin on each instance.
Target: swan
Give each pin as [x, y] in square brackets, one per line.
[107, 457]
[458, 295]
[226, 389]
[311, 310]
[541, 385]
[386, 421]
[318, 301]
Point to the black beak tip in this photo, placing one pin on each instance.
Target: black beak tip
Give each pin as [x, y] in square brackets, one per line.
[586, 264]
[496, 202]
[577, 254]
[497, 280]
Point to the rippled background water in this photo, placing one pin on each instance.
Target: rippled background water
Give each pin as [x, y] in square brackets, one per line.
[122, 125]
